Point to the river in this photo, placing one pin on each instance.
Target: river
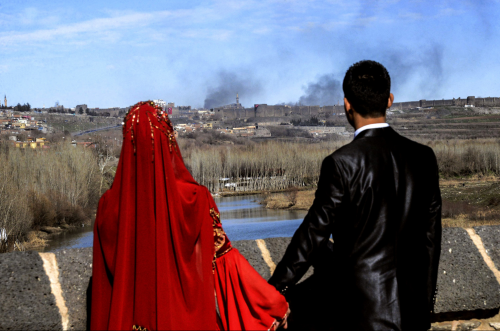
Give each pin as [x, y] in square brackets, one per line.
[242, 218]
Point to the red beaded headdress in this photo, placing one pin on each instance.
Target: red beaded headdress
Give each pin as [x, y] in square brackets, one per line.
[157, 118]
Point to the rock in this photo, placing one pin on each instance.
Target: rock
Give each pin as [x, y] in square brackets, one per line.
[442, 327]
[75, 270]
[64, 226]
[51, 229]
[465, 282]
[26, 299]
[495, 325]
[250, 250]
[277, 247]
[467, 326]
[490, 235]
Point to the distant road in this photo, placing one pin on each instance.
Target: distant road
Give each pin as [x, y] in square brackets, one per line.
[95, 130]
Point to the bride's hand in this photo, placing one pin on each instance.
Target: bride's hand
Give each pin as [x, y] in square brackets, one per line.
[284, 322]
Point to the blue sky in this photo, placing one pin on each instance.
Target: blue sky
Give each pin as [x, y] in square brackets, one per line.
[270, 51]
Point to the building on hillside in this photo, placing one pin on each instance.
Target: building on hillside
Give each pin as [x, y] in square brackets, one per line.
[83, 109]
[225, 131]
[236, 105]
[32, 143]
[245, 131]
[160, 102]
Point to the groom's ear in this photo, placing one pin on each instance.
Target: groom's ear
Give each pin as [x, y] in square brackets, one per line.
[391, 100]
[349, 111]
[347, 105]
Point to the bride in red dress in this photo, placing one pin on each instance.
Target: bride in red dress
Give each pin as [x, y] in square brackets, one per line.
[161, 258]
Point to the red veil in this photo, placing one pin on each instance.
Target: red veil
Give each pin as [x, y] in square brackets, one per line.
[159, 247]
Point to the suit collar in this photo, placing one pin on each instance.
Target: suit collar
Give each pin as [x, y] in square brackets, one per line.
[379, 132]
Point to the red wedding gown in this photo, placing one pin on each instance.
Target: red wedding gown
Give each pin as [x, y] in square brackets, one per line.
[160, 251]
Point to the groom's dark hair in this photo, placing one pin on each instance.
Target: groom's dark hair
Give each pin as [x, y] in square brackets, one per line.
[367, 87]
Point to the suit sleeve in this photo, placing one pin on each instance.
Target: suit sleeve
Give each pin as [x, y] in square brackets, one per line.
[315, 230]
[433, 235]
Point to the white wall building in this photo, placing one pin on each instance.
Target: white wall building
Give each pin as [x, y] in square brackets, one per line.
[160, 103]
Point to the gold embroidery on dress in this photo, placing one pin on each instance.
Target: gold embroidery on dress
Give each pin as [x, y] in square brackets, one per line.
[213, 262]
[219, 236]
[132, 132]
[171, 140]
[215, 215]
[139, 328]
[152, 138]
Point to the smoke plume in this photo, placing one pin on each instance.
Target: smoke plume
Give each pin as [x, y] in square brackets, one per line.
[227, 84]
[421, 70]
[326, 91]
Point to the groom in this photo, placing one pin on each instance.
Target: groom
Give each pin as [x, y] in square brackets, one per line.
[379, 199]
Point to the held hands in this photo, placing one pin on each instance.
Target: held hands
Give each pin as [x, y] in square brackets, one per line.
[284, 321]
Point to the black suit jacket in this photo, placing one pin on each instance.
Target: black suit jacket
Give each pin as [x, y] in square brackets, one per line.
[379, 198]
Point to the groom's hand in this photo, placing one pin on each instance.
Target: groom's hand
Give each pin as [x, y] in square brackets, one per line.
[284, 322]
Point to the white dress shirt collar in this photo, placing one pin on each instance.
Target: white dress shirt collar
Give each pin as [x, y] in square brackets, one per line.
[370, 126]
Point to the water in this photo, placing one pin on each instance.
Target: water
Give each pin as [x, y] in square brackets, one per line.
[77, 238]
[242, 218]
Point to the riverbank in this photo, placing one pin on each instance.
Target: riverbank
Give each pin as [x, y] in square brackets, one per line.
[230, 193]
[38, 239]
[291, 200]
[467, 202]
[243, 218]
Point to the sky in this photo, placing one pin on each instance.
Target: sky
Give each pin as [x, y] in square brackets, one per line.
[201, 53]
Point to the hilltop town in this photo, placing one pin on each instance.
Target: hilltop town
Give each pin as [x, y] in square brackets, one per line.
[467, 117]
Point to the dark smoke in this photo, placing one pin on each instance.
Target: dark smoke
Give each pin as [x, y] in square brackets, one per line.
[426, 63]
[226, 85]
[326, 91]
[421, 70]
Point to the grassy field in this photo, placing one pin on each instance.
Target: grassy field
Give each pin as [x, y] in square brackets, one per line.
[448, 123]
[471, 202]
[75, 123]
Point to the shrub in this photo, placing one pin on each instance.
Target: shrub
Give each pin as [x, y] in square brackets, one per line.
[47, 187]
[41, 209]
